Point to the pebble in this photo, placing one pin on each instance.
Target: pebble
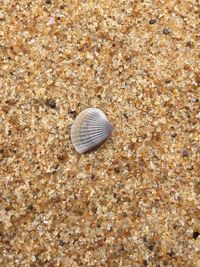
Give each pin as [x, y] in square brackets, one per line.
[51, 103]
[195, 235]
[62, 243]
[93, 177]
[117, 169]
[166, 31]
[30, 207]
[174, 135]
[152, 21]
[185, 153]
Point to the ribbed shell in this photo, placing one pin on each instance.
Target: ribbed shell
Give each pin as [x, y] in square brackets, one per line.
[90, 129]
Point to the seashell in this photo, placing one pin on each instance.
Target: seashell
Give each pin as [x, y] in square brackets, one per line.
[90, 129]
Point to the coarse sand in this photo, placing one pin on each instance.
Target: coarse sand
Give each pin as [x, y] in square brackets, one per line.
[135, 201]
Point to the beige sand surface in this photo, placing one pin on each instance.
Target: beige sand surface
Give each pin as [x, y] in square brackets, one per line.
[134, 201]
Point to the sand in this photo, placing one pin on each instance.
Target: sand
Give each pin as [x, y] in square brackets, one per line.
[135, 200]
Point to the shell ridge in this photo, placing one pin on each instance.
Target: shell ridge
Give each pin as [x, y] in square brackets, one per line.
[93, 143]
[91, 139]
[90, 129]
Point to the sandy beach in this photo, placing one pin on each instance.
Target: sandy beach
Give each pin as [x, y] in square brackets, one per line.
[134, 201]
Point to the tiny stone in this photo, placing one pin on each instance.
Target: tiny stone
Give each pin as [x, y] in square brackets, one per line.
[195, 235]
[61, 157]
[185, 153]
[152, 21]
[144, 239]
[189, 44]
[171, 253]
[30, 207]
[117, 169]
[196, 100]
[114, 195]
[149, 244]
[125, 116]
[150, 247]
[50, 103]
[73, 113]
[174, 135]
[166, 31]
[48, 1]
[62, 243]
[167, 81]
[92, 176]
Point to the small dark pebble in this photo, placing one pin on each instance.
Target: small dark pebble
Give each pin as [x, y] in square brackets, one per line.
[144, 239]
[62, 243]
[145, 263]
[185, 153]
[149, 244]
[174, 135]
[93, 177]
[50, 103]
[150, 247]
[48, 1]
[55, 167]
[171, 253]
[152, 21]
[189, 44]
[73, 113]
[117, 169]
[166, 31]
[125, 116]
[167, 81]
[61, 157]
[94, 210]
[124, 214]
[191, 168]
[196, 100]
[30, 207]
[195, 235]
[114, 195]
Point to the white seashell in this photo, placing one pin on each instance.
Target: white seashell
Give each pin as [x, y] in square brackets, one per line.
[90, 129]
